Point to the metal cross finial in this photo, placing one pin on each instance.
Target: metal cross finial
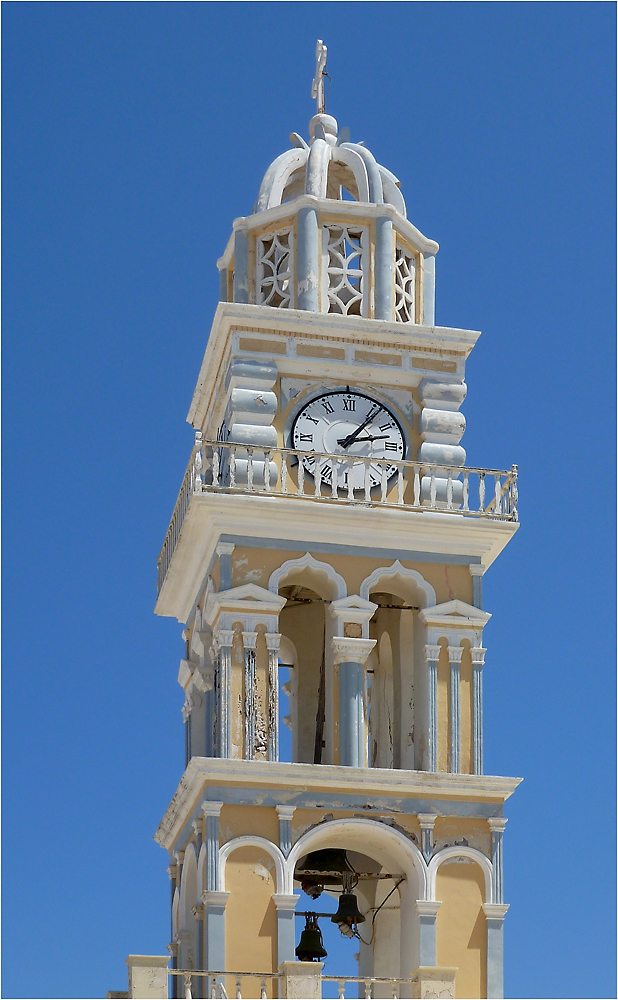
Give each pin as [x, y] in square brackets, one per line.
[317, 87]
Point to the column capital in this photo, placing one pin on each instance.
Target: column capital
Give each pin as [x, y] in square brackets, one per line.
[273, 640]
[432, 652]
[495, 911]
[214, 898]
[222, 637]
[196, 826]
[478, 654]
[497, 823]
[225, 548]
[173, 949]
[172, 871]
[180, 857]
[428, 907]
[349, 650]
[476, 569]
[198, 911]
[284, 902]
[455, 654]
[427, 820]
[285, 812]
[249, 639]
[210, 808]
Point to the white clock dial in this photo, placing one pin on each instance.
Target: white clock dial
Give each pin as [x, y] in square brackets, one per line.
[348, 424]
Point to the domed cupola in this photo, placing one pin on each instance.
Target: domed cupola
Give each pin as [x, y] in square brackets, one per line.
[329, 234]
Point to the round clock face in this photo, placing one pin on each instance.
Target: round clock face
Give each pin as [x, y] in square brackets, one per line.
[348, 424]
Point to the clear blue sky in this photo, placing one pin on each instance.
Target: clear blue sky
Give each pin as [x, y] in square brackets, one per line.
[133, 134]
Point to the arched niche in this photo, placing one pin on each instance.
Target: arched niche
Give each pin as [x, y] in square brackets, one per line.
[187, 924]
[461, 930]
[394, 852]
[250, 873]
[405, 583]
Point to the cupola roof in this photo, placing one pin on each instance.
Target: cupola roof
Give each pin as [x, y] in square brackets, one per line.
[329, 165]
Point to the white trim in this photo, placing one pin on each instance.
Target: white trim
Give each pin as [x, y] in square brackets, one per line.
[398, 570]
[455, 613]
[305, 562]
[201, 869]
[263, 844]
[459, 852]
[188, 891]
[394, 842]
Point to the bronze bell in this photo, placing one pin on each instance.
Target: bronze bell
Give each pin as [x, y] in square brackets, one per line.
[327, 867]
[311, 947]
[348, 914]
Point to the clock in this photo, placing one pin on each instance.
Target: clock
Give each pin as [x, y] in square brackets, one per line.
[347, 423]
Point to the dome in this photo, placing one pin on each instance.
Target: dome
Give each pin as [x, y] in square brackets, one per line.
[329, 166]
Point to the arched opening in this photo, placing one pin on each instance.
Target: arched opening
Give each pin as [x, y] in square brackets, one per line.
[250, 914]
[302, 621]
[461, 934]
[188, 956]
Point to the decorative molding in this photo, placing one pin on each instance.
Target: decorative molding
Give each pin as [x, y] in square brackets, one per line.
[198, 911]
[427, 820]
[225, 548]
[455, 654]
[284, 902]
[428, 907]
[307, 562]
[497, 823]
[285, 813]
[273, 641]
[432, 652]
[478, 655]
[396, 569]
[477, 569]
[456, 614]
[214, 898]
[249, 640]
[495, 911]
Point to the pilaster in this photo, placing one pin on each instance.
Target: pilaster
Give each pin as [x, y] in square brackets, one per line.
[455, 654]
[214, 932]
[427, 821]
[427, 912]
[285, 814]
[286, 937]
[497, 825]
[432, 654]
[494, 917]
[476, 572]
[478, 659]
[211, 812]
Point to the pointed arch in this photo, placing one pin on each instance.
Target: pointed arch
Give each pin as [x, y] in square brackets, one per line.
[263, 844]
[384, 573]
[460, 852]
[336, 585]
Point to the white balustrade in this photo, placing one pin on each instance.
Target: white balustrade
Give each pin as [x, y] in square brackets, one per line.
[364, 481]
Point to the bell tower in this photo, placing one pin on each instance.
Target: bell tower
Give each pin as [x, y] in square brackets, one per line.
[325, 558]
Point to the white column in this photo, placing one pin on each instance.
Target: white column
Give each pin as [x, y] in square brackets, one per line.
[249, 641]
[223, 640]
[286, 937]
[454, 654]
[432, 654]
[494, 917]
[273, 640]
[476, 572]
[497, 825]
[478, 659]
[350, 656]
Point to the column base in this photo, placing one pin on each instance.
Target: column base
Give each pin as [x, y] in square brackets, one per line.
[433, 982]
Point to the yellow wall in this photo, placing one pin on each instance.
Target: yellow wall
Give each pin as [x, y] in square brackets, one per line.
[461, 930]
[250, 917]
[244, 821]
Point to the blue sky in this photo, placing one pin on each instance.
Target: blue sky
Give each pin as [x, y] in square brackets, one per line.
[133, 134]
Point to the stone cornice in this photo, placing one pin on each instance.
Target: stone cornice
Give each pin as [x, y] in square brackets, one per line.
[205, 773]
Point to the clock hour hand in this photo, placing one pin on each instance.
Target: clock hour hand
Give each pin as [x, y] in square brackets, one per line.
[372, 437]
[351, 438]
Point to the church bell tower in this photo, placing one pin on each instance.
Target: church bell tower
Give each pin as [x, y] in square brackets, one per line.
[325, 558]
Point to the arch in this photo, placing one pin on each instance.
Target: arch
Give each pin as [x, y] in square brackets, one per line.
[175, 907]
[335, 583]
[288, 655]
[201, 872]
[263, 844]
[393, 848]
[459, 852]
[375, 195]
[392, 194]
[317, 169]
[355, 163]
[188, 890]
[383, 573]
[277, 176]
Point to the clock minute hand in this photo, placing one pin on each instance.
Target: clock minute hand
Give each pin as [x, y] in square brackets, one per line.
[351, 438]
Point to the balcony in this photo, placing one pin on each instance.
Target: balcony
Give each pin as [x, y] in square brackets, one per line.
[218, 467]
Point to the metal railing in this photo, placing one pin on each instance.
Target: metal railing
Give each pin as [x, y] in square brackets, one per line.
[358, 480]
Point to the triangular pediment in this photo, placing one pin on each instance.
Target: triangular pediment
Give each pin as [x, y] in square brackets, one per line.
[456, 613]
[353, 602]
[248, 596]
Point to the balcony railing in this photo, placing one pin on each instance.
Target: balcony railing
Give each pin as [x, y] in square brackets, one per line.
[357, 480]
[254, 985]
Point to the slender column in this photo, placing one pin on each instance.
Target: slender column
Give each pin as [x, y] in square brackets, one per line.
[427, 821]
[427, 910]
[497, 825]
[286, 937]
[307, 260]
[285, 814]
[432, 654]
[173, 951]
[249, 641]
[429, 289]
[198, 981]
[494, 917]
[211, 812]
[214, 925]
[273, 640]
[476, 572]
[478, 659]
[454, 654]
[172, 947]
[351, 655]
[384, 269]
[224, 551]
[224, 640]
[241, 265]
